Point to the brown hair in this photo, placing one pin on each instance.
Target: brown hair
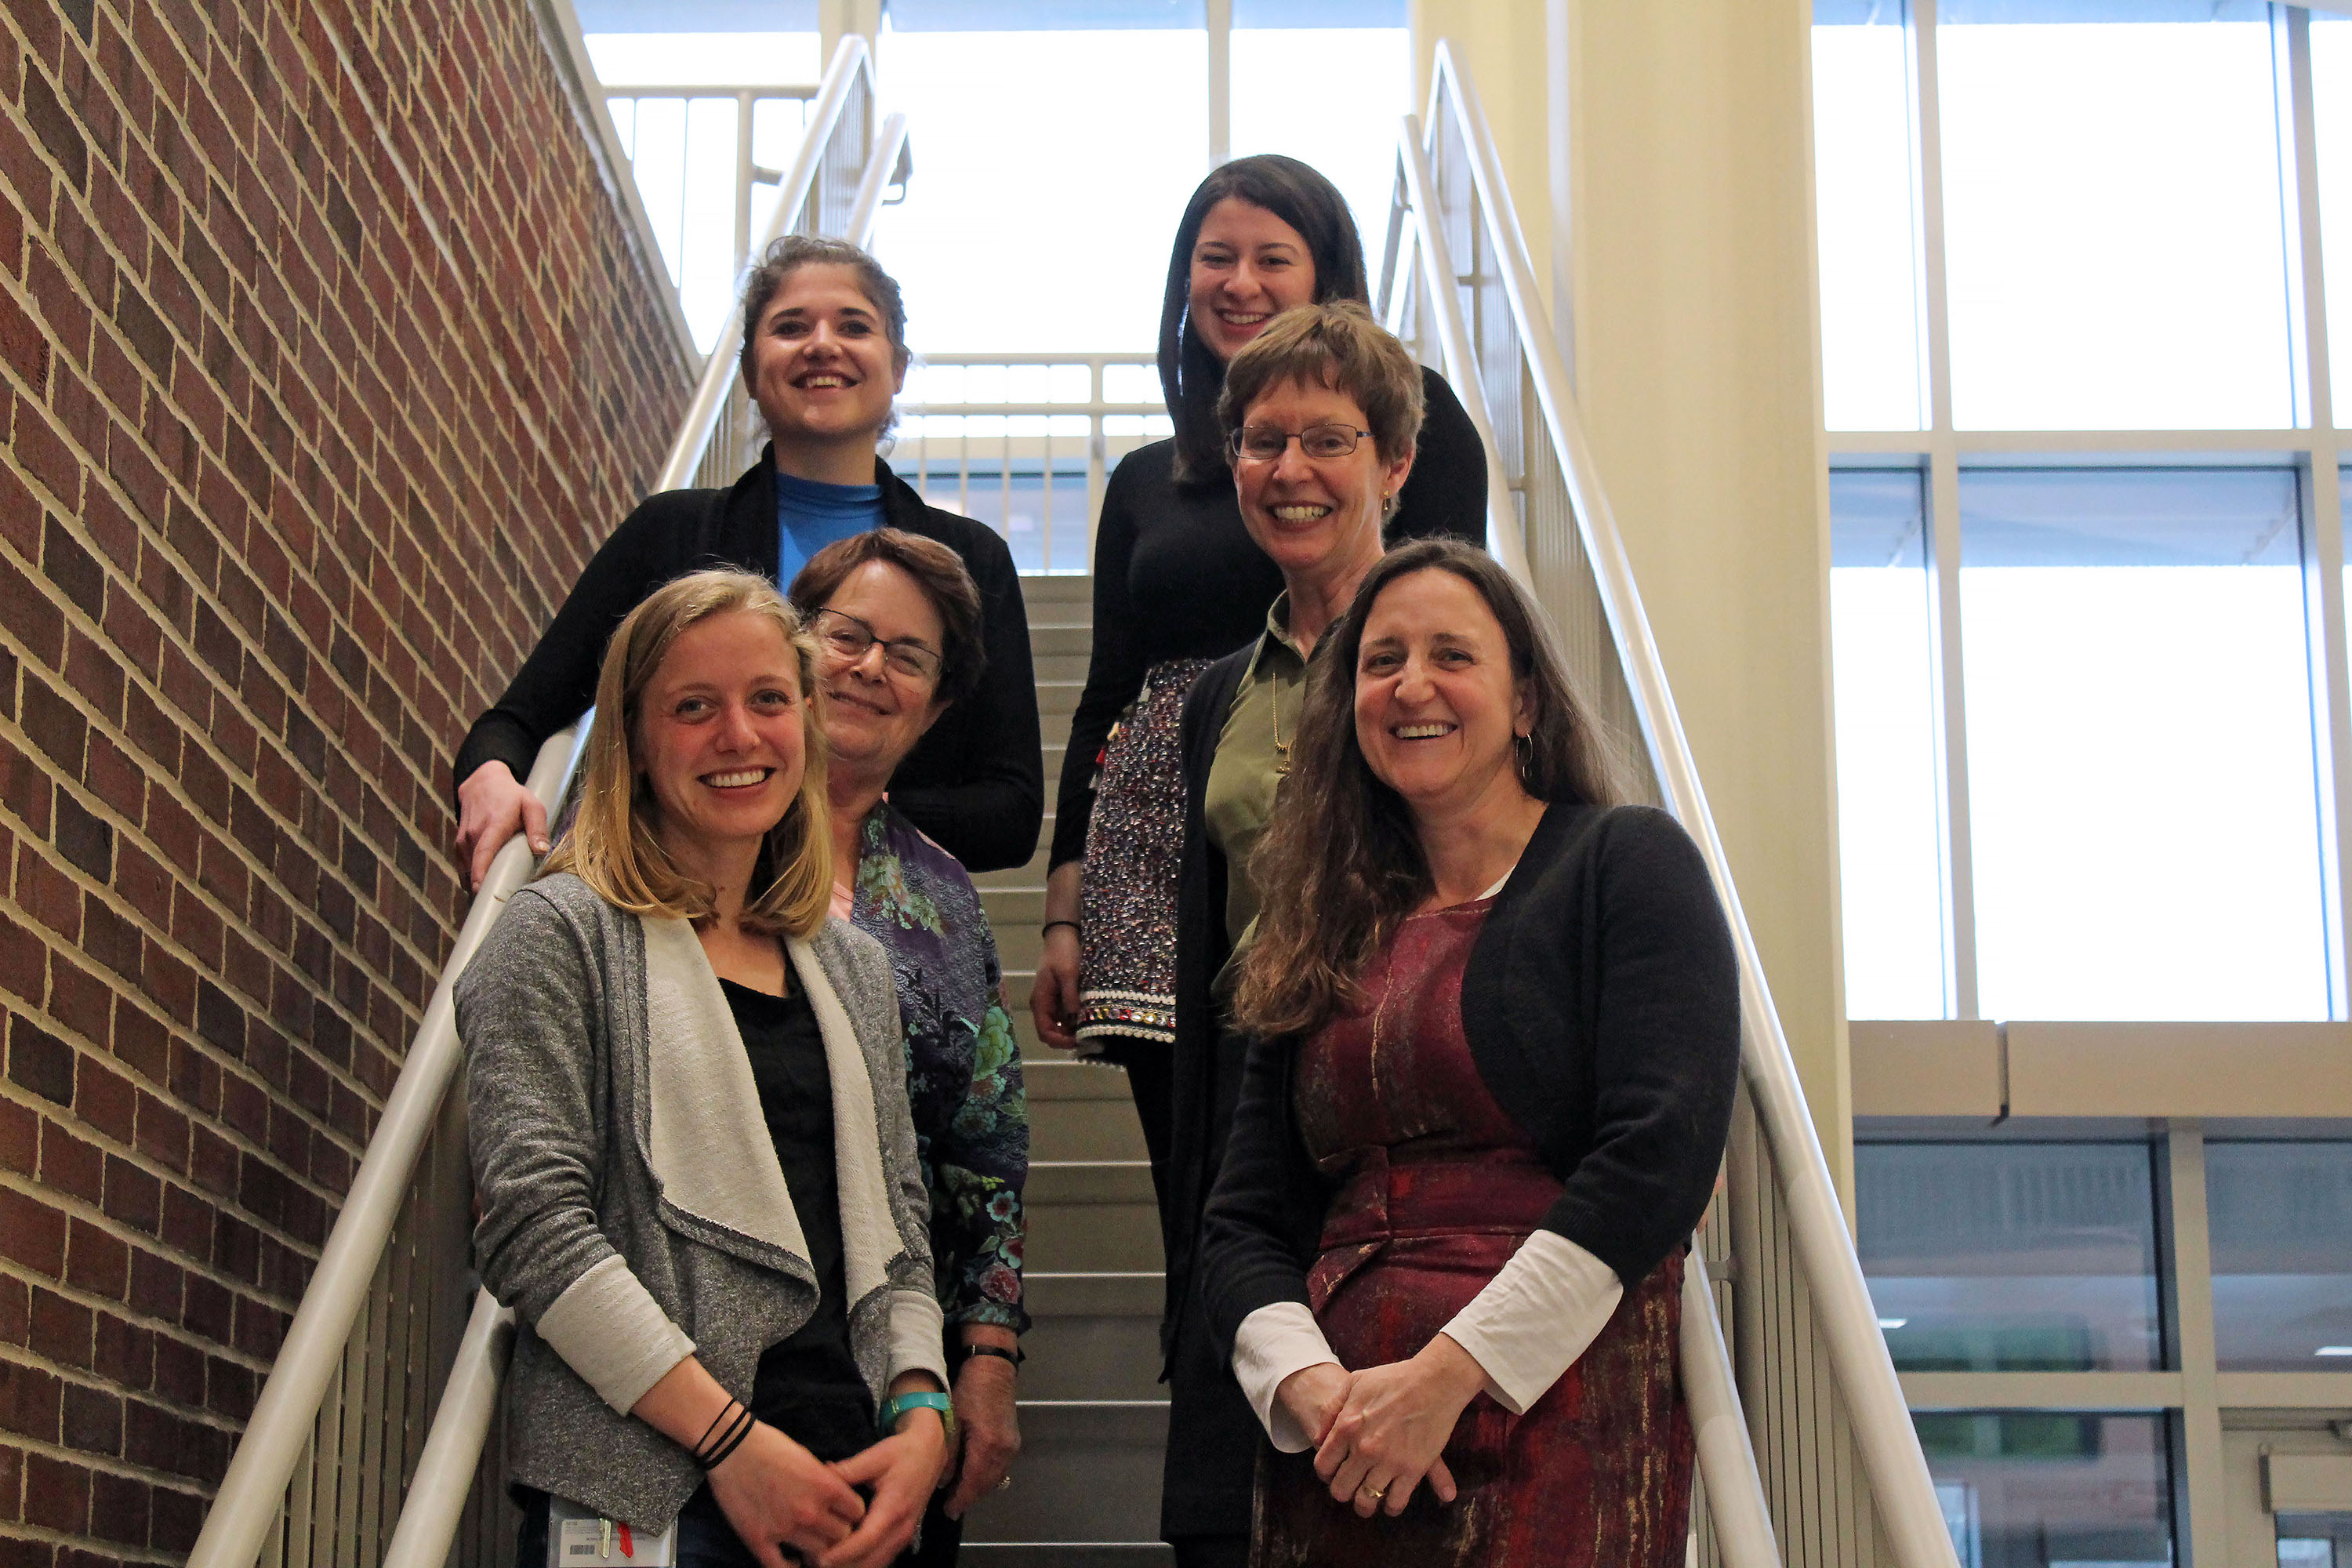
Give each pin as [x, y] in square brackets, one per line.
[612, 846]
[937, 570]
[791, 252]
[1340, 863]
[1336, 345]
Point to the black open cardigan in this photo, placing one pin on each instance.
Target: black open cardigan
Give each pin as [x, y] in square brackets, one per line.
[975, 782]
[1601, 1007]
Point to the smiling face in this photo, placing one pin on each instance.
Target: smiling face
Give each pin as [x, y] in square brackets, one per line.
[873, 713]
[1437, 709]
[1248, 266]
[720, 738]
[822, 370]
[1304, 511]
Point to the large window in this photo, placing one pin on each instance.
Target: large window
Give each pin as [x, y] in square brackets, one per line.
[2065, 266]
[2282, 1225]
[2010, 1257]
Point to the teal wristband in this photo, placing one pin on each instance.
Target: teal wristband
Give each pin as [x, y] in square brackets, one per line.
[898, 1404]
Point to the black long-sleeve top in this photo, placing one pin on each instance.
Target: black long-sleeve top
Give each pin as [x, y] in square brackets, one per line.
[1601, 1006]
[975, 782]
[1176, 576]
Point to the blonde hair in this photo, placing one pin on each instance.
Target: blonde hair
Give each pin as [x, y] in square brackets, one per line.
[612, 846]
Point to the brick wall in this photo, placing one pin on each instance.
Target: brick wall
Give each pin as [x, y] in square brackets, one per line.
[325, 358]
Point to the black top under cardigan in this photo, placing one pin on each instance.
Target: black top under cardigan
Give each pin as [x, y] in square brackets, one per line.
[975, 782]
[1178, 576]
[1601, 1006]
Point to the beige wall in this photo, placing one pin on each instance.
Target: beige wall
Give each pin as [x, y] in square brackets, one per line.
[1681, 137]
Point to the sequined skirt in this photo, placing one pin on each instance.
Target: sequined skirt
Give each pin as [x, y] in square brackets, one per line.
[1126, 975]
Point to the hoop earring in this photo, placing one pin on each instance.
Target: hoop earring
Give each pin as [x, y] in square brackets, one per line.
[1525, 747]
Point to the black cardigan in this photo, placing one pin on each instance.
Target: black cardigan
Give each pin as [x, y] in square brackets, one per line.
[1177, 576]
[1601, 1004]
[975, 782]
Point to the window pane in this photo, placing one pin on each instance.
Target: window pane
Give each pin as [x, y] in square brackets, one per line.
[1889, 832]
[2112, 218]
[2138, 697]
[2010, 1257]
[2042, 1489]
[2281, 1219]
[2331, 92]
[1350, 136]
[1864, 206]
[1041, 220]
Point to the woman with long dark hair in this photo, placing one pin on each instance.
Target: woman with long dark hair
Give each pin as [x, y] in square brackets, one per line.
[1178, 583]
[1496, 1020]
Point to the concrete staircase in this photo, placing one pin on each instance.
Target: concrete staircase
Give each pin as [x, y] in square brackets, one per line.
[1093, 1418]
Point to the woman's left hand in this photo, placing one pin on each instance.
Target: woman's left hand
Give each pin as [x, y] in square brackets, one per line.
[1393, 1426]
[903, 1469]
[987, 1411]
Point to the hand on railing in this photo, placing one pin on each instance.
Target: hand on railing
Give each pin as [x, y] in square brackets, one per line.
[492, 808]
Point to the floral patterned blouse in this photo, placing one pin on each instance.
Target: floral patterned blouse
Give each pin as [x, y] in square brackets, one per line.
[963, 1066]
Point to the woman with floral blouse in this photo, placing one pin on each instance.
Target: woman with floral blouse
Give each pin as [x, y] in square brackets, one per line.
[897, 623]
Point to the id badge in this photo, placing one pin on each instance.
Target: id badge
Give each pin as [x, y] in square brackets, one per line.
[579, 1539]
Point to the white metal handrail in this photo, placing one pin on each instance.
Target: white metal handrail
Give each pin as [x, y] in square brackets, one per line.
[1903, 1491]
[252, 1493]
[748, 171]
[852, 67]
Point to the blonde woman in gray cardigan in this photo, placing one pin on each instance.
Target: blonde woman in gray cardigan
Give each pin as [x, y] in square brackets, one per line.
[689, 1128]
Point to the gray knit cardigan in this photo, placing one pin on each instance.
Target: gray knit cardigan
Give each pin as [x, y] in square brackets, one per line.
[633, 1211]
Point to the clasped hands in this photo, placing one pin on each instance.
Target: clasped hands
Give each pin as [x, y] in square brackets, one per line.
[777, 1494]
[1381, 1432]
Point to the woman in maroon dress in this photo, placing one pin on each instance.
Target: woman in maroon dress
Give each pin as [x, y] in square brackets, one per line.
[1497, 1032]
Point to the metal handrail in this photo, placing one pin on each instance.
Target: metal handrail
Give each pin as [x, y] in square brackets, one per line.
[252, 1491]
[1889, 1446]
[851, 60]
[1726, 1457]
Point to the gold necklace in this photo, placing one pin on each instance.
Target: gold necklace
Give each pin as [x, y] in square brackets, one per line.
[1281, 746]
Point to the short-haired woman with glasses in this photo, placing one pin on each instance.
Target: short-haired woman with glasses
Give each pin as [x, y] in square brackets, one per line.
[897, 627]
[824, 353]
[1321, 413]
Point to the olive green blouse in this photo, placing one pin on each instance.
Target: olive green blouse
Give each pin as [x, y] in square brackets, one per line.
[1240, 797]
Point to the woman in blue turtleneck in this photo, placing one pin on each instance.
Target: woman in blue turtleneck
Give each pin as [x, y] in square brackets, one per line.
[824, 353]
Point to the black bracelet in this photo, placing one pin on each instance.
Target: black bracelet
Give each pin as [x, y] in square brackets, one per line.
[1049, 925]
[1012, 1355]
[740, 1421]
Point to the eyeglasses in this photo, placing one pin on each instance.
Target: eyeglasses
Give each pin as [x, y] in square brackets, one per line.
[1265, 443]
[846, 639]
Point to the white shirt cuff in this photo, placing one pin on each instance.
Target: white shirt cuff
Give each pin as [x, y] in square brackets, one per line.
[1272, 1343]
[1536, 1317]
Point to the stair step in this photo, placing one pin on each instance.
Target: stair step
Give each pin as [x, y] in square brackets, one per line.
[1088, 1474]
[1061, 638]
[1058, 1076]
[1099, 1231]
[1057, 588]
[1094, 1357]
[1123, 1294]
[1086, 1129]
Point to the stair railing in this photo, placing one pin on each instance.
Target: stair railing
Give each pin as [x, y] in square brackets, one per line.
[1843, 1476]
[382, 1294]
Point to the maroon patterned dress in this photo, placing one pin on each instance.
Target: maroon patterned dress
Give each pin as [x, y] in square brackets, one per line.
[1438, 1187]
